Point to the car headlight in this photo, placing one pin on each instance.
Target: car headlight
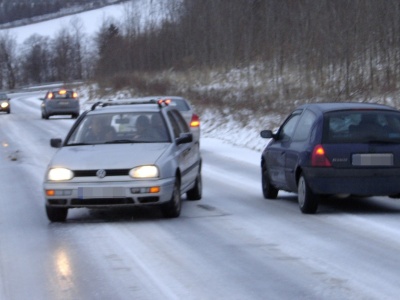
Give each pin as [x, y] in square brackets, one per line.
[58, 174]
[144, 172]
[4, 104]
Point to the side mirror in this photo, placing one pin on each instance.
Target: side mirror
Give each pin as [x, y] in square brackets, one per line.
[56, 143]
[266, 134]
[184, 138]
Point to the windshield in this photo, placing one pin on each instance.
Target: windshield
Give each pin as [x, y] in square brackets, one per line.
[363, 126]
[135, 127]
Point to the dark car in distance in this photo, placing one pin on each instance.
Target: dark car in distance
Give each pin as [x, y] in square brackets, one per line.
[4, 103]
[60, 102]
[325, 149]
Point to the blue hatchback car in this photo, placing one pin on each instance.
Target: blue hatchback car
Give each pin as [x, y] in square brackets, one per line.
[325, 149]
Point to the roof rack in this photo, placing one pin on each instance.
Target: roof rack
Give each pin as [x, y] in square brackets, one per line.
[159, 102]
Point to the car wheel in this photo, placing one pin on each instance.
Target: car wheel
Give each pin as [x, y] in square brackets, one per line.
[269, 191]
[308, 201]
[56, 214]
[172, 208]
[74, 116]
[195, 192]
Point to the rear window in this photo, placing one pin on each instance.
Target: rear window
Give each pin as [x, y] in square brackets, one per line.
[179, 104]
[63, 94]
[361, 126]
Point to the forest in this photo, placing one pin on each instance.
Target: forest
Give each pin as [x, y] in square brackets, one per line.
[285, 52]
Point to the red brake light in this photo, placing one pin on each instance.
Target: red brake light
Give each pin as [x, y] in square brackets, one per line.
[318, 157]
[195, 122]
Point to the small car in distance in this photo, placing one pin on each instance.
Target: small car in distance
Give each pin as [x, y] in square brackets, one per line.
[60, 102]
[326, 149]
[122, 154]
[4, 103]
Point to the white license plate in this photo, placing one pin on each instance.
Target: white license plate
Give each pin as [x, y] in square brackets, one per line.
[100, 192]
[372, 159]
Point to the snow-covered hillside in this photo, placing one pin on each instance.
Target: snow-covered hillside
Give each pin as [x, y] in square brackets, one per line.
[214, 125]
[147, 11]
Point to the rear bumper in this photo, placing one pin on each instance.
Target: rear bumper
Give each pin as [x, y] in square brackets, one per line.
[56, 109]
[371, 182]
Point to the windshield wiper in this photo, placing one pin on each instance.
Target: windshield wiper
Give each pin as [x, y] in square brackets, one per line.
[79, 144]
[120, 142]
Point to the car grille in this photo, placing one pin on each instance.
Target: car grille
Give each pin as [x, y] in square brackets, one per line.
[102, 201]
[58, 201]
[151, 199]
[92, 173]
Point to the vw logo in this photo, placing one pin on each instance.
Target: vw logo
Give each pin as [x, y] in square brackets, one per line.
[101, 173]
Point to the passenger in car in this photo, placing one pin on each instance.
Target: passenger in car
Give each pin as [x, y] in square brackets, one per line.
[143, 129]
[369, 125]
[99, 131]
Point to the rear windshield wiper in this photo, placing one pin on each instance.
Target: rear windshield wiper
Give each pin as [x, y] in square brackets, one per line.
[381, 141]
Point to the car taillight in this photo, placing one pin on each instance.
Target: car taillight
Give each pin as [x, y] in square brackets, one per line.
[195, 122]
[318, 157]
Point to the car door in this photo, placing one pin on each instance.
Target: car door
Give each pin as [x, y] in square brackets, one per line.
[300, 144]
[187, 153]
[278, 148]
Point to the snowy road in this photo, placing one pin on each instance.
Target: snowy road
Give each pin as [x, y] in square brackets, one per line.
[233, 244]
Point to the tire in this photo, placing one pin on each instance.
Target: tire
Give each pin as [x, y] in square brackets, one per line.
[308, 201]
[195, 193]
[172, 209]
[8, 111]
[269, 191]
[56, 214]
[75, 116]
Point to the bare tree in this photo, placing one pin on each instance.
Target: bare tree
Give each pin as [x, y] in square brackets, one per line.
[8, 60]
[35, 60]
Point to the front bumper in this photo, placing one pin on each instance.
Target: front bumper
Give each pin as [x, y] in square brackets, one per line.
[108, 194]
[362, 181]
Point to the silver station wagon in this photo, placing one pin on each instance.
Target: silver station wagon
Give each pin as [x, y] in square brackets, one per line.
[124, 153]
[60, 102]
